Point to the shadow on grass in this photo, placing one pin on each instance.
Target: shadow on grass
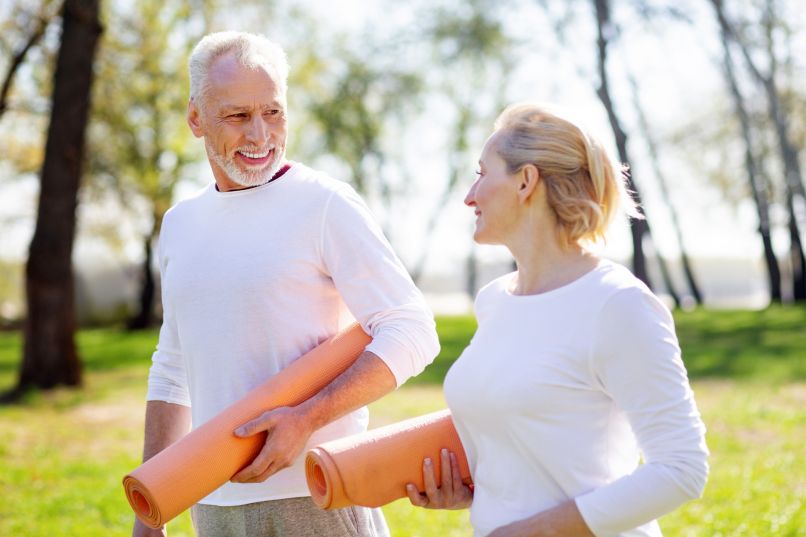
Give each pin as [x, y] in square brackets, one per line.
[100, 349]
[767, 345]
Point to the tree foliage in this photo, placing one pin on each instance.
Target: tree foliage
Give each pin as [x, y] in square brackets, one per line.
[141, 146]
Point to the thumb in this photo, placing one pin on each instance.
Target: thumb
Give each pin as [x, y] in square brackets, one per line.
[257, 425]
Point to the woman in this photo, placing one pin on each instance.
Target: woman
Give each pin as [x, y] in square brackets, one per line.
[575, 371]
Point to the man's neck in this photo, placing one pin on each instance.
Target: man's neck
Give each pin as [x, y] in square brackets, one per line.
[279, 173]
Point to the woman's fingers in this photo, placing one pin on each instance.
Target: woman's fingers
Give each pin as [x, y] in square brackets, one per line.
[451, 493]
[445, 470]
[415, 497]
[455, 473]
[431, 488]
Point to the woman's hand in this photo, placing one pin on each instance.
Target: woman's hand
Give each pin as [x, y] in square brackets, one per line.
[451, 494]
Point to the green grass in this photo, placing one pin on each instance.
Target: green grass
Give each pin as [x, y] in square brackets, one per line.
[767, 345]
[63, 453]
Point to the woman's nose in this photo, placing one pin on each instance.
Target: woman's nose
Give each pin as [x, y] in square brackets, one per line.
[470, 198]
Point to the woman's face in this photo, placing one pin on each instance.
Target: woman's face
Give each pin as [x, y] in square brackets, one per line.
[494, 197]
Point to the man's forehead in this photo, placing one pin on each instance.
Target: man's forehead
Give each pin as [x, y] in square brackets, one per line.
[228, 71]
[233, 86]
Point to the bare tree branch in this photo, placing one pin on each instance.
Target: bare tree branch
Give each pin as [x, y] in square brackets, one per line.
[42, 21]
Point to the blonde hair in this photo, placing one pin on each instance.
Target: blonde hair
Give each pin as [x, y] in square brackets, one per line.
[583, 187]
[251, 51]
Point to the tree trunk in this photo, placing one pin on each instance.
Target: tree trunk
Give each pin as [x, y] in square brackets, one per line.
[760, 197]
[638, 227]
[789, 154]
[144, 318]
[653, 152]
[796, 258]
[50, 357]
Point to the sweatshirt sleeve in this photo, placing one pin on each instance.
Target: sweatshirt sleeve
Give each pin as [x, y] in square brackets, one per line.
[167, 378]
[376, 287]
[636, 358]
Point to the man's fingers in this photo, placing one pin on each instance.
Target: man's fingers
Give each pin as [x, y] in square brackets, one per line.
[264, 475]
[260, 424]
[259, 465]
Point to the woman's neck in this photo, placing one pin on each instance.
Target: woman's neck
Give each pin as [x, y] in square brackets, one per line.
[544, 264]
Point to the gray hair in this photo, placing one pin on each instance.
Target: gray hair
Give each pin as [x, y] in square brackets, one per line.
[251, 51]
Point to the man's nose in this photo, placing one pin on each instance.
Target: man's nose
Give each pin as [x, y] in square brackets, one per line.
[257, 131]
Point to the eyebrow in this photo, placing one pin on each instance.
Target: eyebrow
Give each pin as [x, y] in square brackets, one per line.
[246, 108]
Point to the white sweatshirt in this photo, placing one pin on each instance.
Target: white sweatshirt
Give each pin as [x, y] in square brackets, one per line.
[252, 279]
[559, 393]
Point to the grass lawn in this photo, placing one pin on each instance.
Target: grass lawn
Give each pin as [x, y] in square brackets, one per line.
[63, 453]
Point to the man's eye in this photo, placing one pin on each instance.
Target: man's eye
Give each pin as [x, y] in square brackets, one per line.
[238, 116]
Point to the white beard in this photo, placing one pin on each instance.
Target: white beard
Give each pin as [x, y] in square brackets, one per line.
[245, 178]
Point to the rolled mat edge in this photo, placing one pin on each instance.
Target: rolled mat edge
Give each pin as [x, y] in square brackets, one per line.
[323, 482]
[371, 469]
[194, 466]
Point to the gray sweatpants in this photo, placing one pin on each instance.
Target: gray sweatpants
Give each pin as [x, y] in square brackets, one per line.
[293, 517]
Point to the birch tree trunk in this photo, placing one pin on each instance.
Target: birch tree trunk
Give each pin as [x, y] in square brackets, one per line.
[760, 196]
[793, 178]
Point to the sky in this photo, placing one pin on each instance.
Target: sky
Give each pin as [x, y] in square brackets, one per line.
[678, 81]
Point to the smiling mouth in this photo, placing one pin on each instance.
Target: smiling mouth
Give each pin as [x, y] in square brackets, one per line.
[256, 158]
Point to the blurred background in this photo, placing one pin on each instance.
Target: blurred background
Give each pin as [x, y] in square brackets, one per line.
[703, 99]
[397, 98]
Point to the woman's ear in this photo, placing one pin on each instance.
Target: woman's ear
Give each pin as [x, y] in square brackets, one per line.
[529, 177]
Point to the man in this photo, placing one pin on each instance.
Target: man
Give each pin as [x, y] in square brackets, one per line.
[257, 269]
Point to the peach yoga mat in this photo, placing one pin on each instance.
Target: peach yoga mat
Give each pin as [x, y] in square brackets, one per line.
[194, 466]
[372, 469]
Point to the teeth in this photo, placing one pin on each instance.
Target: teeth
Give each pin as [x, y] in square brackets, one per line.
[255, 155]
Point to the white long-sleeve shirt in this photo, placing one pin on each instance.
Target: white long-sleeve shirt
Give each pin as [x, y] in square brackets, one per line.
[253, 279]
[559, 393]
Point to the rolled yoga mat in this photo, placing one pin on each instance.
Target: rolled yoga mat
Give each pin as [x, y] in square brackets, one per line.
[197, 464]
[372, 469]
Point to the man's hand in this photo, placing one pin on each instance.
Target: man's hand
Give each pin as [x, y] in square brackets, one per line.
[288, 432]
[289, 428]
[141, 530]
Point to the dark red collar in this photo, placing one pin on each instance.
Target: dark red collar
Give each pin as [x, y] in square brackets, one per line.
[279, 173]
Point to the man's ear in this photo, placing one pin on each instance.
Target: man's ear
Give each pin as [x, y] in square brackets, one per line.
[194, 119]
[528, 178]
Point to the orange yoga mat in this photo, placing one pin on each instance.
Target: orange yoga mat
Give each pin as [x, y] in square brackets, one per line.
[193, 467]
[372, 469]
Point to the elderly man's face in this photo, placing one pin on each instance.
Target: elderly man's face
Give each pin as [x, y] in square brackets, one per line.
[243, 122]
